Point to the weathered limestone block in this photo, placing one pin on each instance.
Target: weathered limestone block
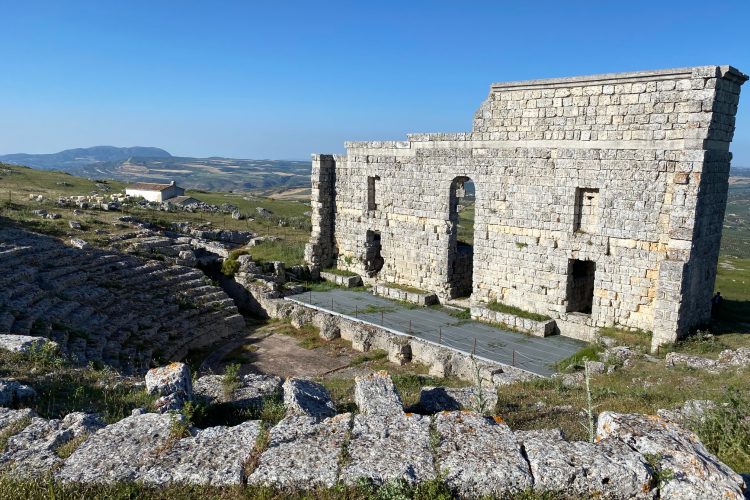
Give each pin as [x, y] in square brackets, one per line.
[585, 470]
[120, 452]
[22, 343]
[328, 325]
[695, 362]
[739, 357]
[697, 472]
[209, 389]
[532, 327]
[300, 316]
[375, 394]
[383, 448]
[690, 411]
[12, 392]
[398, 349]
[172, 383]
[479, 456]
[32, 452]
[307, 398]
[303, 453]
[422, 299]
[215, 456]
[436, 399]
[345, 281]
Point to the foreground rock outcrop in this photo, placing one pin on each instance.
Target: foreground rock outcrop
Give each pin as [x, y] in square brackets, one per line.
[634, 456]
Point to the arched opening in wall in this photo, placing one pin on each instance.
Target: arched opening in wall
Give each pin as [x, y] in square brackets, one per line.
[461, 242]
[373, 260]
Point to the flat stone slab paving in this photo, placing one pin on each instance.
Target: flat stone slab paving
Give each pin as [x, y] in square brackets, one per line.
[534, 354]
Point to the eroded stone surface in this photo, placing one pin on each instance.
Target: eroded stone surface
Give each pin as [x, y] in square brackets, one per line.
[697, 473]
[586, 470]
[695, 362]
[9, 417]
[32, 452]
[307, 398]
[479, 456]
[691, 410]
[213, 456]
[123, 451]
[303, 452]
[375, 394]
[384, 448]
[435, 399]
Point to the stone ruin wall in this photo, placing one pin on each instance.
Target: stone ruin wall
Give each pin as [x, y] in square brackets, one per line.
[651, 149]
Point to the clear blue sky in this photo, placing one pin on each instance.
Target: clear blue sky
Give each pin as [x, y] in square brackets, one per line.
[276, 79]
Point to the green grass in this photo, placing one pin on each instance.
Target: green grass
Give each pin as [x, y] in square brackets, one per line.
[339, 272]
[515, 311]
[406, 288]
[633, 338]
[575, 362]
[91, 389]
[291, 253]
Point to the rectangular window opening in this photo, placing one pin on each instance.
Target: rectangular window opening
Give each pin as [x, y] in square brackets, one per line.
[586, 212]
[371, 181]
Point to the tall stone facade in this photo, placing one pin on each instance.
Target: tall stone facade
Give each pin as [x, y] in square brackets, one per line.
[599, 200]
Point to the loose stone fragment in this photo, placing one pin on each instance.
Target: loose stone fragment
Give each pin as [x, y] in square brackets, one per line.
[585, 470]
[375, 394]
[303, 453]
[12, 392]
[172, 383]
[386, 448]
[696, 473]
[696, 362]
[435, 399]
[479, 456]
[307, 398]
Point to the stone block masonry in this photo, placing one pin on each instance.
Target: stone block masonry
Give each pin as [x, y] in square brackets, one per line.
[599, 201]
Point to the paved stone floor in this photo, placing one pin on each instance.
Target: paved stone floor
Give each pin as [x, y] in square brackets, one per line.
[534, 354]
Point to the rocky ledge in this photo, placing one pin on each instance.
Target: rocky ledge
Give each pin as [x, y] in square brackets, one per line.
[633, 456]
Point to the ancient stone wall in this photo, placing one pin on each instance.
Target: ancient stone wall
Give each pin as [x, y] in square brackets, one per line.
[614, 184]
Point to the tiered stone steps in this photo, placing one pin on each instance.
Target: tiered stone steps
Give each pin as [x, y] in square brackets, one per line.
[108, 306]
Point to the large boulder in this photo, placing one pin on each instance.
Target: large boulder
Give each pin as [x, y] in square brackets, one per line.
[253, 388]
[122, 451]
[303, 453]
[215, 456]
[173, 385]
[586, 470]
[436, 399]
[388, 449]
[688, 469]
[479, 456]
[307, 398]
[375, 394]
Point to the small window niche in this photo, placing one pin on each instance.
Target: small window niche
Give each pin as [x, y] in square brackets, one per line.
[586, 213]
[580, 292]
[371, 192]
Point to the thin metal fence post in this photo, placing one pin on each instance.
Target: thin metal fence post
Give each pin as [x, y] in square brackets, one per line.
[409, 326]
[440, 336]
[514, 358]
[474, 351]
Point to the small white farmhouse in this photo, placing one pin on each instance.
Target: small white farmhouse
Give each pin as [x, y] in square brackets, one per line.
[154, 192]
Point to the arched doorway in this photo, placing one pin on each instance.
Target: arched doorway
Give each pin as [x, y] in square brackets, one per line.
[461, 239]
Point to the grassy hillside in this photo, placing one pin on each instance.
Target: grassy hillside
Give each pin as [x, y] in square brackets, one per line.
[288, 219]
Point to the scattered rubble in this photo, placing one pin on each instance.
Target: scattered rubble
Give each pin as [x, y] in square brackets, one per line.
[253, 388]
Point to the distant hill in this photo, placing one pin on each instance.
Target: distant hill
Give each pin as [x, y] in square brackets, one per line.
[78, 157]
[147, 164]
[740, 171]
